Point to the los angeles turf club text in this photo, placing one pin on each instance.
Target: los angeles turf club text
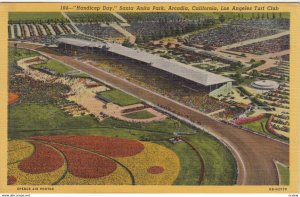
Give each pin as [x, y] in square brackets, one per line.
[249, 8]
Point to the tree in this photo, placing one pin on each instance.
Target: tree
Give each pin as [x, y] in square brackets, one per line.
[239, 78]
[139, 39]
[258, 16]
[126, 43]
[222, 18]
[255, 73]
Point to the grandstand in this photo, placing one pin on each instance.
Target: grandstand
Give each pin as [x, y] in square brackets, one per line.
[193, 77]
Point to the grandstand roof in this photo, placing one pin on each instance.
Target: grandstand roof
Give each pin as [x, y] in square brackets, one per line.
[80, 43]
[188, 72]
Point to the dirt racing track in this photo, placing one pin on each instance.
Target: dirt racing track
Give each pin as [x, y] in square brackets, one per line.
[255, 154]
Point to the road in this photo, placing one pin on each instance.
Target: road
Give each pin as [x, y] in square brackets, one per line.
[255, 154]
[119, 17]
[72, 23]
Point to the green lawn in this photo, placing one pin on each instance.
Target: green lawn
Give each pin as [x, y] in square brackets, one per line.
[260, 127]
[28, 119]
[55, 66]
[189, 163]
[83, 75]
[169, 125]
[140, 115]
[15, 55]
[257, 126]
[18, 54]
[33, 116]
[284, 174]
[120, 98]
[220, 166]
[41, 17]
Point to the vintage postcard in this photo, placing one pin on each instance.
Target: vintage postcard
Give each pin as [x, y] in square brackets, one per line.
[149, 97]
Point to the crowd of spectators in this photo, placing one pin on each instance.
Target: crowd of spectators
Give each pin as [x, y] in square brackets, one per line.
[228, 114]
[47, 40]
[37, 91]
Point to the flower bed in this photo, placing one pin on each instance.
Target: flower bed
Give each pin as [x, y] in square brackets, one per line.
[85, 164]
[119, 177]
[270, 129]
[155, 170]
[11, 180]
[58, 163]
[156, 165]
[19, 150]
[249, 119]
[44, 159]
[269, 125]
[13, 98]
[114, 147]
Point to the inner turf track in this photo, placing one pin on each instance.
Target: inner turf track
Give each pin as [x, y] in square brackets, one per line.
[254, 153]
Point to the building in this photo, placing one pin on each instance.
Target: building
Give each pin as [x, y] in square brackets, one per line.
[192, 77]
[265, 85]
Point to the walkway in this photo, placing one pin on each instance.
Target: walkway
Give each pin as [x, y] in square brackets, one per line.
[123, 31]
[119, 17]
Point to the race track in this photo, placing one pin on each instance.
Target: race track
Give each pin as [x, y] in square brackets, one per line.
[255, 154]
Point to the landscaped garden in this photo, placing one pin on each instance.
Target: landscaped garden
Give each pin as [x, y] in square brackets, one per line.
[55, 66]
[129, 153]
[140, 115]
[118, 97]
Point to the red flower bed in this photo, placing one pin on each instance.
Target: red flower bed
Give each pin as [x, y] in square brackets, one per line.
[84, 164]
[12, 98]
[11, 180]
[110, 146]
[44, 159]
[155, 170]
[249, 119]
[269, 125]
